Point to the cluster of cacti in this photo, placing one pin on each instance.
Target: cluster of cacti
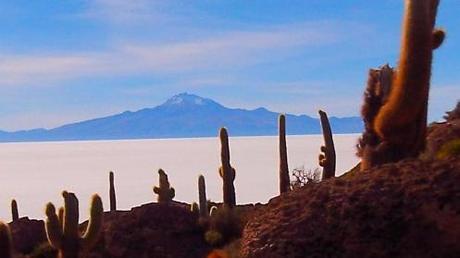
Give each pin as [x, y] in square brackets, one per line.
[398, 115]
[226, 171]
[164, 191]
[327, 157]
[112, 195]
[285, 182]
[202, 197]
[62, 230]
[5, 241]
[14, 210]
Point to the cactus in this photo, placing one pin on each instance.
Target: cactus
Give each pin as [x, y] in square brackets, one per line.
[14, 210]
[202, 197]
[112, 195]
[212, 211]
[164, 191]
[400, 120]
[195, 209]
[64, 235]
[327, 157]
[5, 241]
[283, 170]
[226, 172]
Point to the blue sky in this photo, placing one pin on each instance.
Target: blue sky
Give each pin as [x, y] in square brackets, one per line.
[68, 60]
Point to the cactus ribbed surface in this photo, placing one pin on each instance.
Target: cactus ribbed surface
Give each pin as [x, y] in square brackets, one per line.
[14, 210]
[226, 172]
[327, 158]
[5, 241]
[112, 195]
[64, 235]
[164, 191]
[284, 169]
[202, 197]
[400, 121]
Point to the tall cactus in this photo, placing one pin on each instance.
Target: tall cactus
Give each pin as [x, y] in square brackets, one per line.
[5, 241]
[112, 195]
[202, 197]
[327, 157]
[283, 169]
[226, 172]
[400, 123]
[164, 191]
[64, 235]
[14, 210]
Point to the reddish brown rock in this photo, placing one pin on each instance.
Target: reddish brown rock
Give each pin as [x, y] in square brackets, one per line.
[406, 209]
[27, 234]
[151, 230]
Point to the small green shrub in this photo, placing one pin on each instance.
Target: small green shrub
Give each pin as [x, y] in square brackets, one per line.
[449, 149]
[227, 222]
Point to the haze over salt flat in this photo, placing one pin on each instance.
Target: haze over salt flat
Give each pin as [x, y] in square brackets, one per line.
[35, 173]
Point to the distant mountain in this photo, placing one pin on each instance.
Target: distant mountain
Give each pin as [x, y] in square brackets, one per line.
[183, 115]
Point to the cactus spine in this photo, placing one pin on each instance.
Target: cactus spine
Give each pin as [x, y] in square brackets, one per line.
[112, 195]
[5, 241]
[284, 169]
[14, 210]
[226, 172]
[164, 191]
[64, 235]
[327, 157]
[202, 197]
[401, 121]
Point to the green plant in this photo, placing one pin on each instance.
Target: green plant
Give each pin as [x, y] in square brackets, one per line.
[226, 172]
[112, 195]
[227, 222]
[164, 191]
[449, 149]
[202, 197]
[14, 210]
[64, 235]
[213, 237]
[327, 157]
[5, 241]
[283, 169]
[398, 119]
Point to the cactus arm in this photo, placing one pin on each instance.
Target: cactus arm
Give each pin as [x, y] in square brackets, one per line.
[14, 210]
[328, 159]
[284, 180]
[95, 223]
[53, 227]
[5, 241]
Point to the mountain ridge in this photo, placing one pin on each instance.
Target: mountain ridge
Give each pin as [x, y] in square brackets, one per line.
[182, 116]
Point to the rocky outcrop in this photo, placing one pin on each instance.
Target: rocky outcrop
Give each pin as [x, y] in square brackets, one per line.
[405, 209]
[151, 230]
[27, 234]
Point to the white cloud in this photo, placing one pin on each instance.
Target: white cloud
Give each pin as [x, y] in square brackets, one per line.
[227, 50]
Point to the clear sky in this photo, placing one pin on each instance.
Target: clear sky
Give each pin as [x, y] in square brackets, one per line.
[69, 60]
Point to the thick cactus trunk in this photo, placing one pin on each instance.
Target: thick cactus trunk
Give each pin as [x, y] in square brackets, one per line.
[112, 195]
[327, 158]
[226, 171]
[283, 169]
[400, 122]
